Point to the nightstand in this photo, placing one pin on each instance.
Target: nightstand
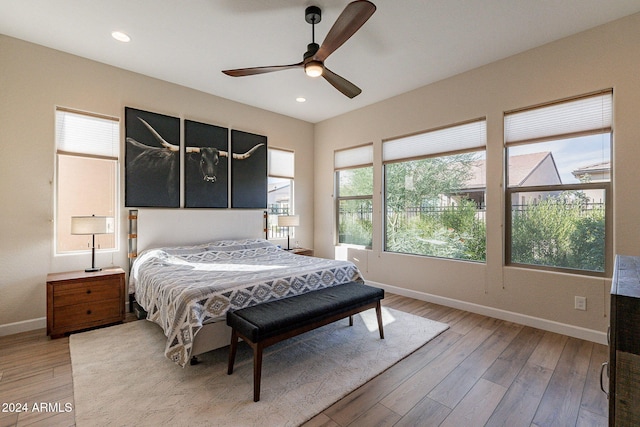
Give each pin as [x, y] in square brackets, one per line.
[302, 251]
[79, 300]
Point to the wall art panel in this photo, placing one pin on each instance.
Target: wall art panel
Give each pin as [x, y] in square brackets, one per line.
[248, 170]
[152, 159]
[206, 165]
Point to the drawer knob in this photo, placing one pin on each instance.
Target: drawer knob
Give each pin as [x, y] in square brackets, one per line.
[88, 311]
[88, 291]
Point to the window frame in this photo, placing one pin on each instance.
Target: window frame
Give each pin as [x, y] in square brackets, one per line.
[428, 153]
[114, 158]
[344, 165]
[606, 186]
[273, 231]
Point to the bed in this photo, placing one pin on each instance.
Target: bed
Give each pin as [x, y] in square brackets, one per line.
[187, 290]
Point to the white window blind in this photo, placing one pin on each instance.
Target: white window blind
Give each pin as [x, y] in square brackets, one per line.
[87, 134]
[352, 157]
[455, 138]
[590, 114]
[281, 163]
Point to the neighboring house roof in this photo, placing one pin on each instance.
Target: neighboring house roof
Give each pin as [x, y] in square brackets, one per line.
[593, 169]
[479, 178]
[521, 167]
[278, 187]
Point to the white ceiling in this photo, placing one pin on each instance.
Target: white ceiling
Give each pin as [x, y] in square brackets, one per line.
[406, 43]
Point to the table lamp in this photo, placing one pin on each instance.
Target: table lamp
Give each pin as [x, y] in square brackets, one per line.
[92, 225]
[288, 221]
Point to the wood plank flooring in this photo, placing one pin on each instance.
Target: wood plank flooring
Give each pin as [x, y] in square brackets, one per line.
[480, 372]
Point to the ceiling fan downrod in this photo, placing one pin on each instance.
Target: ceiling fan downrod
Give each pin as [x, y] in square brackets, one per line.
[312, 15]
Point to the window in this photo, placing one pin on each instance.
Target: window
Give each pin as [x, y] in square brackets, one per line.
[434, 192]
[87, 147]
[559, 185]
[280, 189]
[354, 190]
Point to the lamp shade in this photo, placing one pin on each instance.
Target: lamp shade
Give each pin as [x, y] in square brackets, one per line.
[288, 220]
[92, 225]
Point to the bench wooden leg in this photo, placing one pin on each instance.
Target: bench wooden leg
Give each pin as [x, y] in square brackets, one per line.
[350, 320]
[257, 370]
[232, 351]
[379, 315]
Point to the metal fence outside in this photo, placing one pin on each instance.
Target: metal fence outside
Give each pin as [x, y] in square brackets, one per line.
[276, 232]
[365, 213]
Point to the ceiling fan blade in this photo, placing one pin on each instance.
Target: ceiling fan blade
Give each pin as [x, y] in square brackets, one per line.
[340, 83]
[350, 20]
[259, 70]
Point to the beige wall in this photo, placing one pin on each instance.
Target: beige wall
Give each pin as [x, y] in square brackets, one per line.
[604, 57]
[33, 80]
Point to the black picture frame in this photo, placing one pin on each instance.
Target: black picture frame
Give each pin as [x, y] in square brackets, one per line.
[152, 159]
[206, 165]
[248, 170]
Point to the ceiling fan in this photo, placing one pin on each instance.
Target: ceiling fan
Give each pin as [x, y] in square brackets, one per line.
[350, 20]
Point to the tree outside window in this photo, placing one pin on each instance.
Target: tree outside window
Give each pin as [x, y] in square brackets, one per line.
[431, 210]
[355, 209]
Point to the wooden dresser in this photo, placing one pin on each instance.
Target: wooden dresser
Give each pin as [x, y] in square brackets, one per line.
[624, 343]
[79, 300]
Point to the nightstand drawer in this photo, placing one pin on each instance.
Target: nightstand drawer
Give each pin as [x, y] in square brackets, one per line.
[89, 291]
[79, 316]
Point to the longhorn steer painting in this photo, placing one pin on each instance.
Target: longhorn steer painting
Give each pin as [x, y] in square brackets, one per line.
[248, 174]
[206, 165]
[152, 165]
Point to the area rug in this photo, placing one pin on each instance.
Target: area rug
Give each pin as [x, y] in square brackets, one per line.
[122, 378]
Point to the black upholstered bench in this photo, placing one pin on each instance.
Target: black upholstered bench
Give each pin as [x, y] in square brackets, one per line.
[268, 323]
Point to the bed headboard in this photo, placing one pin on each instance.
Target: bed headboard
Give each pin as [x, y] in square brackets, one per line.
[176, 227]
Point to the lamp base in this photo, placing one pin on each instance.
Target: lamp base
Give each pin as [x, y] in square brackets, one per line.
[92, 269]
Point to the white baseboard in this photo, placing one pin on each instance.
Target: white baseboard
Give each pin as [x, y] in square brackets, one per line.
[523, 319]
[24, 326]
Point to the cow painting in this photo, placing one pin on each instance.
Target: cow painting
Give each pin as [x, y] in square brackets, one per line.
[152, 171]
[206, 169]
[206, 166]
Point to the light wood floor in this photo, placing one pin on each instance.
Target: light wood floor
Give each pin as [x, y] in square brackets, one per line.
[481, 371]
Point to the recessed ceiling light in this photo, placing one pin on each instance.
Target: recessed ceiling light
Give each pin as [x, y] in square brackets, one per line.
[301, 99]
[120, 36]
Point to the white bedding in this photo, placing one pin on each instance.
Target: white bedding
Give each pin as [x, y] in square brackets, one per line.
[182, 288]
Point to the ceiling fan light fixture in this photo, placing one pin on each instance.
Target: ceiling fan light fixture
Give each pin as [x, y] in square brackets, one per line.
[313, 68]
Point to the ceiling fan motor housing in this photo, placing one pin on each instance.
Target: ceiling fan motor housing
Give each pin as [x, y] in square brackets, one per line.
[312, 48]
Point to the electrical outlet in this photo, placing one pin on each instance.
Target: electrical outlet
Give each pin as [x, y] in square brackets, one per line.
[580, 303]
